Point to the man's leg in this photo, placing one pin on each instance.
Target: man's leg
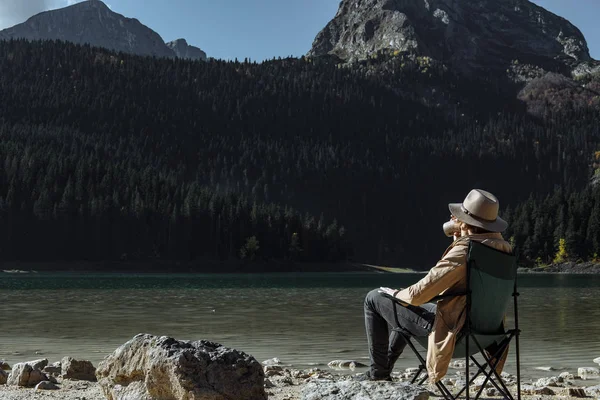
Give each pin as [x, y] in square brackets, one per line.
[410, 326]
[385, 346]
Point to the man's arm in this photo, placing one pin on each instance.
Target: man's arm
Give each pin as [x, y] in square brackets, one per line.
[445, 274]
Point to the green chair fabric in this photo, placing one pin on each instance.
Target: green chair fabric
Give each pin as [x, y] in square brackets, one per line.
[491, 276]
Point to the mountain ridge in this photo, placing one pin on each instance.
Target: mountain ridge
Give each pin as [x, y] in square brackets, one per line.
[93, 22]
[469, 36]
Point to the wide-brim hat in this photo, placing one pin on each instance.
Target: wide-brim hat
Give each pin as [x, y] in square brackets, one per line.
[480, 209]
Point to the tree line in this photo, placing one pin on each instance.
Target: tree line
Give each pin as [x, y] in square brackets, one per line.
[108, 156]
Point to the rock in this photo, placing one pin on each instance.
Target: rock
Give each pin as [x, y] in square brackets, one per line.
[38, 364]
[77, 370]
[345, 364]
[588, 372]
[351, 390]
[46, 385]
[547, 368]
[534, 390]
[3, 376]
[272, 361]
[575, 392]
[4, 366]
[491, 391]
[23, 374]
[593, 391]
[50, 369]
[460, 364]
[566, 376]
[182, 49]
[551, 381]
[272, 372]
[468, 35]
[148, 366]
[269, 384]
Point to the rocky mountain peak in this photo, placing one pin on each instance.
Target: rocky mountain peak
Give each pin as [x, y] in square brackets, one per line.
[182, 49]
[94, 23]
[465, 34]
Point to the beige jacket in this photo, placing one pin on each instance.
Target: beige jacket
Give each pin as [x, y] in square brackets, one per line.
[449, 275]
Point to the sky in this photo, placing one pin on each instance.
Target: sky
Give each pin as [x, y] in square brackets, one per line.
[260, 29]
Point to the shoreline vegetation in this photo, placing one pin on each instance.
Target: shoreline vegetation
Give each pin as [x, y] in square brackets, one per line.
[238, 267]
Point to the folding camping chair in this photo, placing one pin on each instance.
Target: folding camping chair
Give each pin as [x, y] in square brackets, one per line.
[491, 281]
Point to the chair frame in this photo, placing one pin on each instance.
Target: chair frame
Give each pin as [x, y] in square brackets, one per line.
[492, 376]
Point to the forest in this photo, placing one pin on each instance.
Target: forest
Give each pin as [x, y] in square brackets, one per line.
[107, 156]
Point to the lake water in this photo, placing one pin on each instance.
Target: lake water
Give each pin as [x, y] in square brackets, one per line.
[305, 320]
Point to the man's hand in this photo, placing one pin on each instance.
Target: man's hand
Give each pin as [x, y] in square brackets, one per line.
[387, 291]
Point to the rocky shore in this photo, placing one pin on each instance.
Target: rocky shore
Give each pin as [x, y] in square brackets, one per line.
[149, 367]
[567, 268]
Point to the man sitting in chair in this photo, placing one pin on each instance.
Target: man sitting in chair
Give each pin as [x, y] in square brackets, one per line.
[475, 219]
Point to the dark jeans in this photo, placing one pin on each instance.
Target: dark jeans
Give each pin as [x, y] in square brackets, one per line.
[386, 345]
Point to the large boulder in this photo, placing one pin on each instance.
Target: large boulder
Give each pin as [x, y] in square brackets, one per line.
[322, 389]
[79, 370]
[23, 374]
[3, 376]
[149, 367]
[38, 364]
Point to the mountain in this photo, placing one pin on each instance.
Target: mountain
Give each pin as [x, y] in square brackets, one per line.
[94, 23]
[183, 50]
[466, 35]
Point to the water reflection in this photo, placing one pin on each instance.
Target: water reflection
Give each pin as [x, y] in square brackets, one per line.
[303, 319]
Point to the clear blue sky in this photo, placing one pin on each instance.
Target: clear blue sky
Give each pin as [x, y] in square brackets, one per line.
[262, 29]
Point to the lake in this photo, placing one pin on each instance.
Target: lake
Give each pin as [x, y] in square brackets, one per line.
[304, 319]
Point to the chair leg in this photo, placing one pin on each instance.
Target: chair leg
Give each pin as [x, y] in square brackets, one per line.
[488, 377]
[493, 369]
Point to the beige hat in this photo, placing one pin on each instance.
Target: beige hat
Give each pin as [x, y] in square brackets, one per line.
[480, 209]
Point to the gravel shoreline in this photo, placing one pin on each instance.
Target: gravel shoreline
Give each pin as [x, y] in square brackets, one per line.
[287, 384]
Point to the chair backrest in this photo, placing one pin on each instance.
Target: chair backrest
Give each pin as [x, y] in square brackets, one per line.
[492, 279]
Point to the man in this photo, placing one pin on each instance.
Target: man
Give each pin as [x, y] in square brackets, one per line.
[476, 218]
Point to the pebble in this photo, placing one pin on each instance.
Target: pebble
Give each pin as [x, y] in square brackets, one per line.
[46, 385]
[566, 375]
[272, 361]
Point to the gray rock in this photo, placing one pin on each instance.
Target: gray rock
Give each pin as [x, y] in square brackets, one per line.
[92, 22]
[4, 366]
[345, 364]
[366, 390]
[566, 376]
[78, 370]
[149, 366]
[269, 384]
[23, 374]
[272, 361]
[460, 364]
[545, 368]
[38, 364]
[535, 390]
[593, 391]
[46, 385]
[469, 35]
[588, 372]
[51, 369]
[3, 376]
[183, 50]
[551, 381]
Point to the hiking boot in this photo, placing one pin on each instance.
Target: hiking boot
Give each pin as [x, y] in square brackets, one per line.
[367, 376]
